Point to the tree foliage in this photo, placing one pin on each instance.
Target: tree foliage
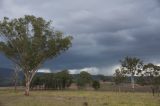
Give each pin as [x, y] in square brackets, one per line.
[84, 79]
[65, 78]
[151, 73]
[55, 81]
[96, 84]
[151, 76]
[131, 65]
[119, 77]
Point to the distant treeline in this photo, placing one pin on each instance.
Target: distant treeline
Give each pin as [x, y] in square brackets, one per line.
[62, 80]
[55, 79]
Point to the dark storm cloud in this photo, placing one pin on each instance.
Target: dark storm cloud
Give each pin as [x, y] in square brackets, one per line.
[4, 62]
[104, 31]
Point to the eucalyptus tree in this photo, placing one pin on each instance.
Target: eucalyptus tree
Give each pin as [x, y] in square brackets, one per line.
[131, 66]
[29, 41]
[151, 73]
[119, 77]
[65, 78]
[96, 84]
[84, 79]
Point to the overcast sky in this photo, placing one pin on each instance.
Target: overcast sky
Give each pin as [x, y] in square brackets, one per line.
[104, 31]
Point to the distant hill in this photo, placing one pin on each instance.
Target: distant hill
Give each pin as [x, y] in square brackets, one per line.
[6, 76]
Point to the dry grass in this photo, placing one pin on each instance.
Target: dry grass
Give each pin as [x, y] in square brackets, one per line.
[77, 98]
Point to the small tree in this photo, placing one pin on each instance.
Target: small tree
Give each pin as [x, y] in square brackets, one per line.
[96, 84]
[29, 41]
[119, 77]
[65, 78]
[132, 66]
[84, 79]
[151, 73]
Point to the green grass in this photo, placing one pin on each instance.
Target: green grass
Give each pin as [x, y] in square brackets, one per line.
[77, 98]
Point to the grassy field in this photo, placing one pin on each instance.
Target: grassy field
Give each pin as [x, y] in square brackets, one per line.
[77, 98]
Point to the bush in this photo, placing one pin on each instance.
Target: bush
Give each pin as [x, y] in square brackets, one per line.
[96, 85]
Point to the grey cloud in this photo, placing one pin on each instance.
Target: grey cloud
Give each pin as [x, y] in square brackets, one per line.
[1, 4]
[104, 31]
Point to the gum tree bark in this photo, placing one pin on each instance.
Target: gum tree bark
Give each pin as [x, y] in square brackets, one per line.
[132, 82]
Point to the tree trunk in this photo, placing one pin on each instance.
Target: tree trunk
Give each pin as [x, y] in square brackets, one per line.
[15, 77]
[15, 86]
[132, 82]
[153, 90]
[28, 78]
[119, 89]
[27, 87]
